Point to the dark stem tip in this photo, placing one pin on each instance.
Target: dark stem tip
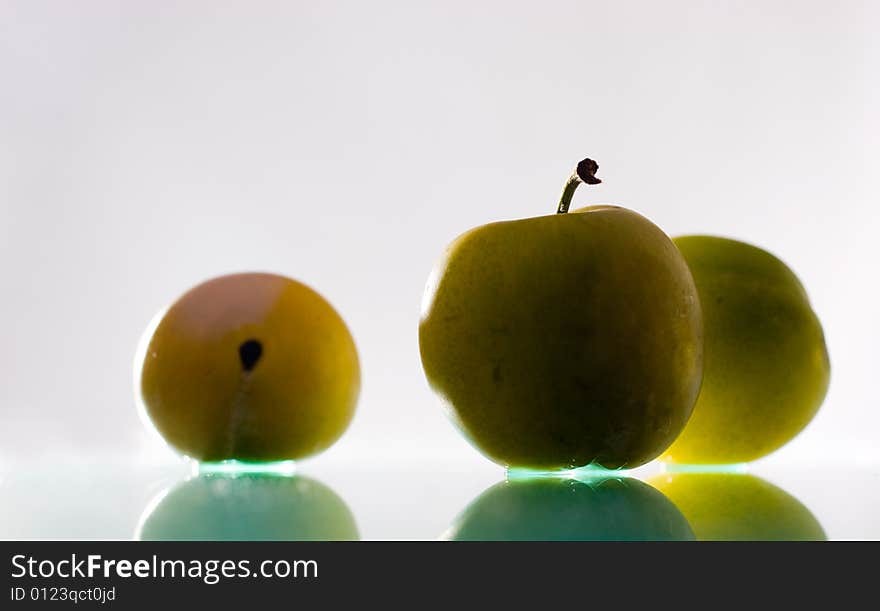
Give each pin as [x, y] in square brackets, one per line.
[249, 352]
[586, 171]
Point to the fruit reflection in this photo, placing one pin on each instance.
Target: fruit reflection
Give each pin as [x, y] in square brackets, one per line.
[556, 509]
[249, 508]
[738, 507]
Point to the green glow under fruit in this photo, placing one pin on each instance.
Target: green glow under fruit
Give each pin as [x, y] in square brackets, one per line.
[671, 467]
[586, 473]
[280, 467]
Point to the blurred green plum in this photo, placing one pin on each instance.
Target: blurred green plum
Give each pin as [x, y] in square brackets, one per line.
[252, 367]
[766, 368]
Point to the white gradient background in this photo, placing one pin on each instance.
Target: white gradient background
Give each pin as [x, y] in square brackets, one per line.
[145, 147]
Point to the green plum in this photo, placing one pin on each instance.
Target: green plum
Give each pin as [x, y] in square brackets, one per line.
[557, 509]
[738, 507]
[565, 340]
[252, 507]
[766, 368]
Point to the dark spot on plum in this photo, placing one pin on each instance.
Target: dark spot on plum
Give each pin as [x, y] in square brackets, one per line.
[250, 352]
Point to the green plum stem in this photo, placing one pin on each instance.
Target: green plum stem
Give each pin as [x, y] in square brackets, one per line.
[567, 193]
[585, 172]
